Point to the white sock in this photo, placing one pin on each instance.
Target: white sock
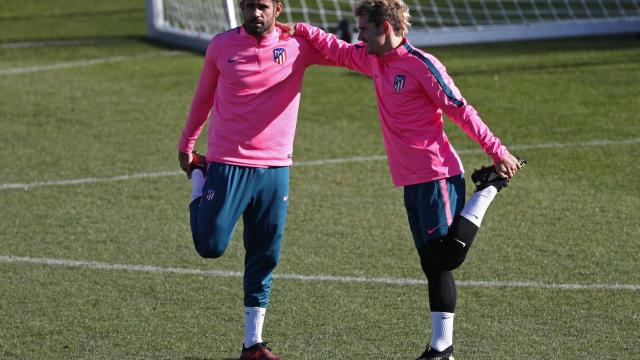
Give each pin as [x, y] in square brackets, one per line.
[478, 204]
[442, 325]
[197, 183]
[253, 320]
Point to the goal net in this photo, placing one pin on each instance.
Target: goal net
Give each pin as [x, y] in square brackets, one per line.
[192, 23]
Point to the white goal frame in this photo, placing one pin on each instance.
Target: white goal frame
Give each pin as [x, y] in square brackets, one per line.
[533, 31]
[159, 29]
[226, 17]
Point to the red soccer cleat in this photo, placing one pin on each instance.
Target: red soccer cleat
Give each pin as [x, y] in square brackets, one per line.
[259, 351]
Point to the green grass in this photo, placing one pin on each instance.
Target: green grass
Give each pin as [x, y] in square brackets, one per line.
[64, 19]
[570, 217]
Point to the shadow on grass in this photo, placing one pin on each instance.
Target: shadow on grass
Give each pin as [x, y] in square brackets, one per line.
[545, 67]
[74, 14]
[72, 41]
[209, 358]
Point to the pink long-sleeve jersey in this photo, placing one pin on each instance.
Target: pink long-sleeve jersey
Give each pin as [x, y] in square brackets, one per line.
[250, 91]
[413, 89]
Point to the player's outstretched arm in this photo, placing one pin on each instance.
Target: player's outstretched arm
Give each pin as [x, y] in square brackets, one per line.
[441, 89]
[200, 107]
[351, 56]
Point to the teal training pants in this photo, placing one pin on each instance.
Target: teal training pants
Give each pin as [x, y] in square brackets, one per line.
[260, 195]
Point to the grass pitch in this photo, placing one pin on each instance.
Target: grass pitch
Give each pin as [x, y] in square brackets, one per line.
[570, 218]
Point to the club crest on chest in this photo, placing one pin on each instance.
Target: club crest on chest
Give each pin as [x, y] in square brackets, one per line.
[279, 56]
[398, 83]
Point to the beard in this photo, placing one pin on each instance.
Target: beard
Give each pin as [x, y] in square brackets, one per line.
[257, 27]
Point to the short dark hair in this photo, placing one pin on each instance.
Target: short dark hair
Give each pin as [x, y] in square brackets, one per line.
[273, 1]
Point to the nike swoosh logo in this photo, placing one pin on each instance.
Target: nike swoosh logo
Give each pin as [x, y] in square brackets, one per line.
[430, 231]
[463, 244]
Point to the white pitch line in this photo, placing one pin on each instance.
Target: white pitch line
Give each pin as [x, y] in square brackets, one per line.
[94, 265]
[32, 44]
[340, 161]
[93, 180]
[89, 180]
[83, 63]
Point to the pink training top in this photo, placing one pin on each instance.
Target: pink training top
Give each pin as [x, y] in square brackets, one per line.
[413, 88]
[251, 92]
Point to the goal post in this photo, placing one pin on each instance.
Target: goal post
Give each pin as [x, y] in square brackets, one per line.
[192, 23]
[189, 23]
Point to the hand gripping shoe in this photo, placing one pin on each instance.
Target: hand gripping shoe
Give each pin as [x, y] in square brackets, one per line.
[488, 176]
[198, 162]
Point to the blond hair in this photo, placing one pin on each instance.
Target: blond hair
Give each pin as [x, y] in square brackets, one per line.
[396, 12]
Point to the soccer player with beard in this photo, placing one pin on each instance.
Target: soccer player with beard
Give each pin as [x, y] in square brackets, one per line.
[249, 90]
[413, 89]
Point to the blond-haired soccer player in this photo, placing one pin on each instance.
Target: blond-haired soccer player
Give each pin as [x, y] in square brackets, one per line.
[249, 90]
[413, 89]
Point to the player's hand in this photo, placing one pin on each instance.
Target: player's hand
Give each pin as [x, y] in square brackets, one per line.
[287, 28]
[508, 166]
[185, 160]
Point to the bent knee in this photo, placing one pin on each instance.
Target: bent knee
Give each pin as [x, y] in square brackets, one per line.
[442, 255]
[211, 244]
[209, 252]
[209, 248]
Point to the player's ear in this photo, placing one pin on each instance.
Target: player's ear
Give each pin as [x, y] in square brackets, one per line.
[387, 27]
[277, 7]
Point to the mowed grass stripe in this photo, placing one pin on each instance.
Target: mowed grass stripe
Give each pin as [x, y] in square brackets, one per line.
[50, 43]
[93, 180]
[84, 63]
[309, 278]
[89, 180]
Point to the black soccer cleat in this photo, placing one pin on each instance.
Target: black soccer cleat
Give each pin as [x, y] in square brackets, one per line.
[432, 354]
[488, 176]
[198, 162]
